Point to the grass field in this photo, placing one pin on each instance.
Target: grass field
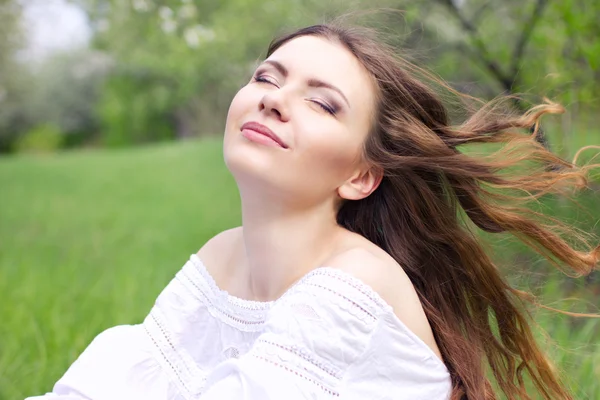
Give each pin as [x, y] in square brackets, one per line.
[89, 238]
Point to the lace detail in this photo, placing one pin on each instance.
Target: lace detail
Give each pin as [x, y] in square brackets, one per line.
[301, 375]
[248, 305]
[175, 361]
[346, 299]
[299, 361]
[231, 352]
[354, 283]
[245, 313]
[280, 350]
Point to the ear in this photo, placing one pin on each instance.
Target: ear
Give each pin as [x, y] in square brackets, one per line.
[361, 184]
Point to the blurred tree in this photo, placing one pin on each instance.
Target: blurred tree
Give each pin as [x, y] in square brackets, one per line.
[14, 81]
[519, 47]
[58, 91]
[66, 92]
[178, 63]
[43, 138]
[542, 46]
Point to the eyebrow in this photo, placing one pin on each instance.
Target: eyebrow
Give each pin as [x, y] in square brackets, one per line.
[316, 83]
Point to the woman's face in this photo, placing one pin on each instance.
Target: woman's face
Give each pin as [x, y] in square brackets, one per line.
[319, 100]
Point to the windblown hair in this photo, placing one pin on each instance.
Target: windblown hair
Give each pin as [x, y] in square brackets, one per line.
[433, 197]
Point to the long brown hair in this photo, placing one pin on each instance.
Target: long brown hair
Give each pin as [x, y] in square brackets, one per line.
[432, 197]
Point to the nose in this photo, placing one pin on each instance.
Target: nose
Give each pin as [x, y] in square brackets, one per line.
[273, 103]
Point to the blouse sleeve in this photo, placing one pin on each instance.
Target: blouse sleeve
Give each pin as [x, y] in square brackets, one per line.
[312, 335]
[398, 362]
[115, 365]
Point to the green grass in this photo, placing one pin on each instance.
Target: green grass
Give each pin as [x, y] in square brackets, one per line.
[89, 238]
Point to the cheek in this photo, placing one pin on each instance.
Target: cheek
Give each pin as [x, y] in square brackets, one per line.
[238, 104]
[330, 156]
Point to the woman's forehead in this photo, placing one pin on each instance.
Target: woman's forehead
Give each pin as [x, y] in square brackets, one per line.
[315, 57]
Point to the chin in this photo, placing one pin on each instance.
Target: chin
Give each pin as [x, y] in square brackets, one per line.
[243, 160]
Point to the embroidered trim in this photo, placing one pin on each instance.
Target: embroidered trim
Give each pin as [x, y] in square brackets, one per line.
[343, 297]
[158, 337]
[239, 309]
[293, 371]
[183, 370]
[166, 359]
[222, 294]
[224, 314]
[165, 335]
[307, 356]
[355, 283]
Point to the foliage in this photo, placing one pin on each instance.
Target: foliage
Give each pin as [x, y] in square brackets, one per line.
[164, 69]
[539, 46]
[180, 62]
[193, 57]
[61, 92]
[134, 108]
[14, 83]
[41, 139]
[66, 88]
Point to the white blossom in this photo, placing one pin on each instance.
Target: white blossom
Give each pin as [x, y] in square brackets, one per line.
[140, 5]
[165, 12]
[168, 26]
[196, 35]
[187, 11]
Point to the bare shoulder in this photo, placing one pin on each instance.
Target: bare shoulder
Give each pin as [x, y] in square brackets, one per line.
[220, 241]
[219, 253]
[384, 275]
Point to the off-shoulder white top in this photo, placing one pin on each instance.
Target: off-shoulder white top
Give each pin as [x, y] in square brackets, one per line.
[329, 336]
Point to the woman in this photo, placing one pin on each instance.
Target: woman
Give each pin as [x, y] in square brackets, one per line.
[356, 273]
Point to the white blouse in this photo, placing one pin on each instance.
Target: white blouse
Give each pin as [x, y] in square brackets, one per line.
[329, 336]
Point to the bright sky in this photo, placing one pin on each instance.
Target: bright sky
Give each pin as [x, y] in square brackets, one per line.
[53, 25]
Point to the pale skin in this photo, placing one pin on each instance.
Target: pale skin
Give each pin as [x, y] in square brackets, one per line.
[289, 195]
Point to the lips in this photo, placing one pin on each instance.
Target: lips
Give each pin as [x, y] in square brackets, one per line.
[263, 130]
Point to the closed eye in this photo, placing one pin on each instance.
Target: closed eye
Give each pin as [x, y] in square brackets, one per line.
[263, 79]
[326, 107]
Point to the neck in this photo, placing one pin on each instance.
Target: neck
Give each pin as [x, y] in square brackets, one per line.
[282, 243]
